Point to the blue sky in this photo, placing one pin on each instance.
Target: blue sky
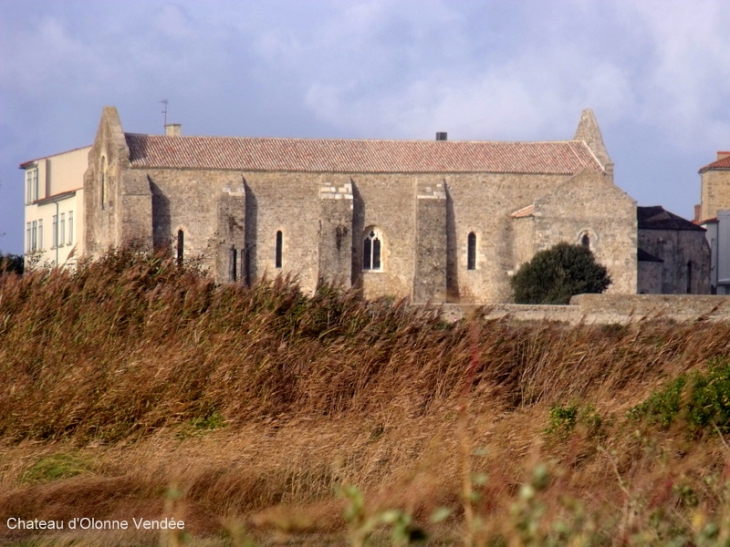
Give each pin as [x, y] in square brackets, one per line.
[657, 75]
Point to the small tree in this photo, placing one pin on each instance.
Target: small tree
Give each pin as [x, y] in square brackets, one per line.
[554, 275]
[11, 263]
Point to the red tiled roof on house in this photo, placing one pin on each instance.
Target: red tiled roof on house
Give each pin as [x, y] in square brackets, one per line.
[722, 162]
[359, 156]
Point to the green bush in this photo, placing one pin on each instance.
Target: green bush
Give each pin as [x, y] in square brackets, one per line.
[702, 400]
[554, 275]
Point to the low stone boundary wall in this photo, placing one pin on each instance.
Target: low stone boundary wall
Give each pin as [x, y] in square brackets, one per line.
[605, 309]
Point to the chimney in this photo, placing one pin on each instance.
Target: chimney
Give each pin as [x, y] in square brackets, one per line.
[441, 136]
[722, 155]
[698, 209]
[173, 130]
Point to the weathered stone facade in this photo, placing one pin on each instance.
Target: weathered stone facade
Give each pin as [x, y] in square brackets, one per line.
[432, 221]
[676, 254]
[715, 186]
[714, 215]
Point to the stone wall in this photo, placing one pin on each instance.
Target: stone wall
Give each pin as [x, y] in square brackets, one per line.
[604, 309]
[686, 256]
[234, 219]
[715, 193]
[650, 277]
[482, 203]
[589, 204]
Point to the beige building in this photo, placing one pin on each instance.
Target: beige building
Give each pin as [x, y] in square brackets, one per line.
[430, 220]
[713, 213]
[54, 208]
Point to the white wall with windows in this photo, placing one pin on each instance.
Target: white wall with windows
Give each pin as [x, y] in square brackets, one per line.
[54, 208]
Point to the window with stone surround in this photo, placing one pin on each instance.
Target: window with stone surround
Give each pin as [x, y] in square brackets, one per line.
[372, 250]
[180, 247]
[279, 249]
[103, 182]
[471, 251]
[233, 274]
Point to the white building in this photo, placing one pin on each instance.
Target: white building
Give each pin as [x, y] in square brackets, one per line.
[54, 208]
[718, 236]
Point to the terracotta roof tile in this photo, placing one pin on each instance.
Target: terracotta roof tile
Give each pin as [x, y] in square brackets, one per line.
[722, 163]
[359, 156]
[527, 211]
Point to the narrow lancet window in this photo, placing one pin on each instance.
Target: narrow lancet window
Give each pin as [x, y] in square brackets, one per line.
[279, 248]
[234, 264]
[371, 251]
[180, 247]
[103, 182]
[471, 251]
[585, 241]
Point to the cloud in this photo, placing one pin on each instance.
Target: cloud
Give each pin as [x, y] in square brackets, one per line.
[656, 73]
[686, 78]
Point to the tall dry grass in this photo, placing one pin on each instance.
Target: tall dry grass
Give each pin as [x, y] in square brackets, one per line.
[259, 402]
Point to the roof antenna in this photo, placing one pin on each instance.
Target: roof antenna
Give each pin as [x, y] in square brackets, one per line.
[164, 112]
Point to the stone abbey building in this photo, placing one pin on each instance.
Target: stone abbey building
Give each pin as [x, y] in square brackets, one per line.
[431, 220]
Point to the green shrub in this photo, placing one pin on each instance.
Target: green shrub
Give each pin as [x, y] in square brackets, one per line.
[562, 419]
[554, 275]
[55, 467]
[701, 399]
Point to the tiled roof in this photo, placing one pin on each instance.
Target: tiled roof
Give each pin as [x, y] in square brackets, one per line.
[722, 163]
[524, 212]
[359, 156]
[658, 218]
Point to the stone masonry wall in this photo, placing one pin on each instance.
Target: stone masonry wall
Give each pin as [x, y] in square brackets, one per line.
[715, 193]
[108, 159]
[231, 220]
[677, 248]
[431, 250]
[424, 253]
[603, 309]
[336, 243]
[649, 277]
[590, 204]
[482, 204]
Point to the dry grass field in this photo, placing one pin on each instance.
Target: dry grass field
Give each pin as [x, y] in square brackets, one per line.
[137, 389]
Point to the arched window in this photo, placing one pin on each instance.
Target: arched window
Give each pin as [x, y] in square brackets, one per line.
[180, 246]
[279, 248]
[471, 251]
[371, 250]
[585, 241]
[103, 182]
